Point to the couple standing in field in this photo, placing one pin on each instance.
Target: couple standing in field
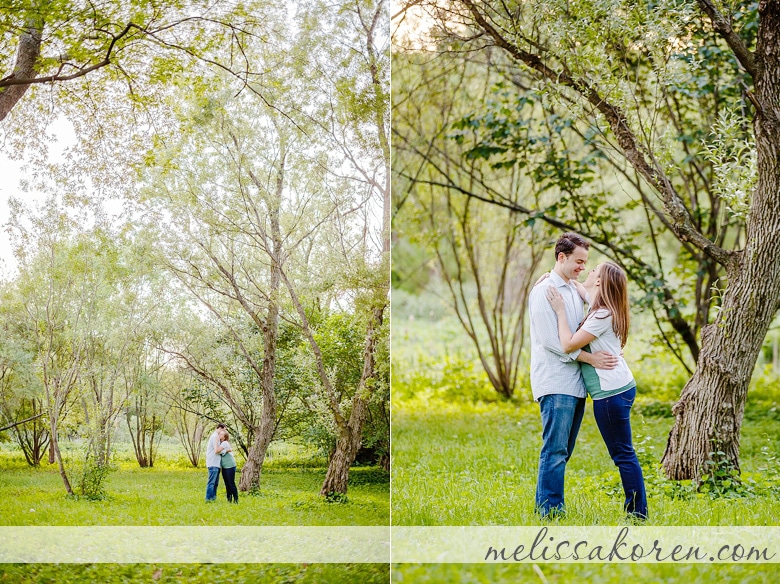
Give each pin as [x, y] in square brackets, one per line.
[219, 457]
[563, 370]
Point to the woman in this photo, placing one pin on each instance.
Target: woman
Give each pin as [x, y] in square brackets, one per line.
[613, 391]
[228, 466]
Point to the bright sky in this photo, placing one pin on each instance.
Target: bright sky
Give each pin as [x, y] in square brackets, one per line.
[11, 174]
[411, 27]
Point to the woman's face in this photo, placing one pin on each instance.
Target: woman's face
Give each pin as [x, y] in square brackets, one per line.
[593, 277]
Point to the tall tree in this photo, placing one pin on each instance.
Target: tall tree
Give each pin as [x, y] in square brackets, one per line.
[227, 242]
[53, 292]
[486, 257]
[599, 74]
[359, 125]
[59, 41]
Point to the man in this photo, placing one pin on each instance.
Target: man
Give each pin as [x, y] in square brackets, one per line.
[556, 380]
[213, 463]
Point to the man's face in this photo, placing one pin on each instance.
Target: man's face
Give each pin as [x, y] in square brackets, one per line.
[574, 264]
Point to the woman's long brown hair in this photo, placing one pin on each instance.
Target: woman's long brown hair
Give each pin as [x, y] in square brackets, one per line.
[612, 295]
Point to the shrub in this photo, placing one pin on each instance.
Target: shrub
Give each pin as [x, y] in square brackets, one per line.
[92, 480]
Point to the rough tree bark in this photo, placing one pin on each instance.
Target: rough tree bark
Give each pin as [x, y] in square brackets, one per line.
[351, 431]
[709, 412]
[27, 55]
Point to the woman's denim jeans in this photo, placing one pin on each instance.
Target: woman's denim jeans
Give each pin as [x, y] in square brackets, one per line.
[613, 419]
[561, 419]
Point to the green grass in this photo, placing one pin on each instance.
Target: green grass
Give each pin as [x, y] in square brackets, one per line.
[588, 573]
[460, 456]
[194, 573]
[173, 493]
[476, 464]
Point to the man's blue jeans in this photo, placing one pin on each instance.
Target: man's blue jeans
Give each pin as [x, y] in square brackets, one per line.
[614, 422]
[561, 419]
[211, 486]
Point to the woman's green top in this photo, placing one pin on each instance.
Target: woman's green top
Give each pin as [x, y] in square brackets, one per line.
[227, 458]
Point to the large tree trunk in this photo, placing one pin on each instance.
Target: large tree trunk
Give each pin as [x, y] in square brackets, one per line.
[350, 438]
[27, 55]
[709, 412]
[250, 473]
[347, 447]
[351, 433]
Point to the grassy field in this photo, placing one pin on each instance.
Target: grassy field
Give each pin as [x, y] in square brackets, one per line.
[476, 464]
[194, 573]
[462, 457]
[173, 493]
[589, 573]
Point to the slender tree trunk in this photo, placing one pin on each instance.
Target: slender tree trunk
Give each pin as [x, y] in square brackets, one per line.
[709, 412]
[138, 436]
[151, 441]
[55, 449]
[351, 433]
[32, 438]
[190, 438]
[250, 474]
[102, 443]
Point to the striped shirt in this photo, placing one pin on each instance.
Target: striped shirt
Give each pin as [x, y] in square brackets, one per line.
[552, 370]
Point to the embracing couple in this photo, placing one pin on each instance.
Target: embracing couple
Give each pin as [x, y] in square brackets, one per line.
[219, 456]
[562, 372]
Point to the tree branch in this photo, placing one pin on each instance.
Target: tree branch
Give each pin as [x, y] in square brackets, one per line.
[722, 26]
[4, 428]
[682, 225]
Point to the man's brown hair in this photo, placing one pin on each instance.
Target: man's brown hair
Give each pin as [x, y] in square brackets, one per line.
[568, 242]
